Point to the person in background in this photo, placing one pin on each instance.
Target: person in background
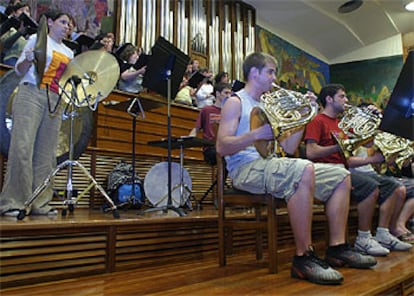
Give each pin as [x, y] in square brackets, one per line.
[130, 79]
[104, 41]
[367, 189]
[195, 65]
[13, 41]
[204, 93]
[186, 93]
[35, 133]
[9, 9]
[296, 180]
[208, 120]
[221, 77]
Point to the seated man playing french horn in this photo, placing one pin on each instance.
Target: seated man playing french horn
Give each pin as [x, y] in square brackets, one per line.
[297, 181]
[322, 146]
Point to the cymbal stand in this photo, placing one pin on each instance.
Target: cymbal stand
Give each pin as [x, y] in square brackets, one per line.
[69, 201]
[169, 205]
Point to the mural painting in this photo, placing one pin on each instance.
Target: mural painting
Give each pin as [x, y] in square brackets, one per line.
[370, 81]
[297, 69]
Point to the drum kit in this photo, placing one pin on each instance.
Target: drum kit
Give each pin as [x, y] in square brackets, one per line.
[87, 80]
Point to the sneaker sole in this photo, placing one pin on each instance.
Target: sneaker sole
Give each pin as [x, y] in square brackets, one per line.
[376, 254]
[391, 247]
[338, 262]
[298, 275]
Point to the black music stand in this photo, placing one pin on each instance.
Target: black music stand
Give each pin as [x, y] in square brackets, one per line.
[398, 116]
[133, 107]
[164, 73]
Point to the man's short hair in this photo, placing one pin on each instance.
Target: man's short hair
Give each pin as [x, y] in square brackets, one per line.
[256, 60]
[329, 90]
[220, 86]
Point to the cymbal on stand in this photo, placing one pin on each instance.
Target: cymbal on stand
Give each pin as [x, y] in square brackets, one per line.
[40, 49]
[96, 72]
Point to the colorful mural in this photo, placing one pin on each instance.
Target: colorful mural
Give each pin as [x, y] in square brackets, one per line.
[370, 81]
[297, 69]
[88, 14]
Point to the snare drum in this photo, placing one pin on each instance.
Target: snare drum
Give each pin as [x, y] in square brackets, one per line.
[156, 185]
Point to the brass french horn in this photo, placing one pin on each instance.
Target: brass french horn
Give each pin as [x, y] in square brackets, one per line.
[394, 148]
[360, 126]
[284, 110]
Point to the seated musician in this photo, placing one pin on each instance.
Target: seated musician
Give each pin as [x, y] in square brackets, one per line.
[185, 94]
[131, 76]
[297, 181]
[208, 120]
[403, 208]
[367, 190]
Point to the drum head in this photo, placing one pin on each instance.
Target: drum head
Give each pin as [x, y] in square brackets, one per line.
[156, 185]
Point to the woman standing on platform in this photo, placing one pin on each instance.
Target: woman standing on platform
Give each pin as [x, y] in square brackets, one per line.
[34, 137]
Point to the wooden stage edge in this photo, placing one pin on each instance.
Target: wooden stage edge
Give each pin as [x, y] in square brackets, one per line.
[91, 253]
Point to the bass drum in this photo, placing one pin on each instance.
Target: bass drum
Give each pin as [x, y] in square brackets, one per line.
[156, 185]
[83, 124]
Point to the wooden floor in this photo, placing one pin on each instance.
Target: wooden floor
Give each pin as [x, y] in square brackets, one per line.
[242, 276]
[176, 271]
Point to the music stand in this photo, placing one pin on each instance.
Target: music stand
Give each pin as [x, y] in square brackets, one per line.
[133, 107]
[398, 116]
[164, 73]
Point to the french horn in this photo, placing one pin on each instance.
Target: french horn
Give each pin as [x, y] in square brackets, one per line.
[360, 125]
[394, 148]
[284, 110]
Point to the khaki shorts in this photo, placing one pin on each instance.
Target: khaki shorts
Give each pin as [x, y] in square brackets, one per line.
[281, 176]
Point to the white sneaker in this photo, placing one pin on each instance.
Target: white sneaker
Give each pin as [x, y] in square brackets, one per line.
[392, 243]
[11, 213]
[368, 245]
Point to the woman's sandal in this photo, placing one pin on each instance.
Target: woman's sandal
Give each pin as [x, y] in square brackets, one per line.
[407, 237]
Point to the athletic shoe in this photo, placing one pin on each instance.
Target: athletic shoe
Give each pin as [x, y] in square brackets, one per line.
[368, 245]
[344, 255]
[47, 211]
[11, 213]
[310, 267]
[392, 243]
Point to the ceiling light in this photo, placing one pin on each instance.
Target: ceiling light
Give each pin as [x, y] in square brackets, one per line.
[409, 6]
[350, 6]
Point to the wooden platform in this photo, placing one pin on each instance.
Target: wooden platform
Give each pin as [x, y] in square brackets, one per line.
[161, 253]
[243, 276]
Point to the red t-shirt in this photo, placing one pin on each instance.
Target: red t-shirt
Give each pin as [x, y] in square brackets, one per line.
[320, 130]
[208, 116]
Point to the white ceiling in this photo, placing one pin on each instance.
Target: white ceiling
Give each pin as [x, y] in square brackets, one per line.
[318, 25]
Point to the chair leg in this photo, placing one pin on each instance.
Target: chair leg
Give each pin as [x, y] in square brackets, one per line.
[259, 234]
[272, 232]
[199, 203]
